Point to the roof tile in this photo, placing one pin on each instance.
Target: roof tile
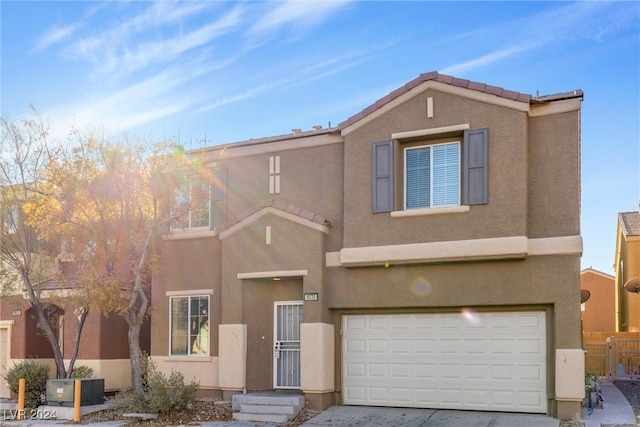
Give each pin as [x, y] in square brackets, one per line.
[460, 82]
[631, 222]
[444, 78]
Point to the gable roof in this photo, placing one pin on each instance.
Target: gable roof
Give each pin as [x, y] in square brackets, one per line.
[630, 222]
[597, 272]
[280, 208]
[466, 84]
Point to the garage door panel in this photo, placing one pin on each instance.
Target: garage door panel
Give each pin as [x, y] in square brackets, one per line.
[531, 373]
[378, 322]
[378, 346]
[488, 361]
[401, 370]
[425, 345]
[530, 345]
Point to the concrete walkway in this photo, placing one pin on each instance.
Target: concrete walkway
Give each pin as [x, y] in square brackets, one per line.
[615, 410]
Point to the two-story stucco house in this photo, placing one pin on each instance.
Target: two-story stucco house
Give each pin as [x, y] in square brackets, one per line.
[627, 272]
[423, 253]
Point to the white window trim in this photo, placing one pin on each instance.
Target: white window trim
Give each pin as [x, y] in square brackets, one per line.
[189, 294]
[189, 213]
[439, 210]
[274, 175]
[194, 292]
[404, 181]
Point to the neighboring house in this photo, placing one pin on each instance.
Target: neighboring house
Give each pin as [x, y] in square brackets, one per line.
[599, 311]
[423, 253]
[103, 345]
[627, 271]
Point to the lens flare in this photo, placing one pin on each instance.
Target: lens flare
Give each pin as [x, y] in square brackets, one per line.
[471, 316]
[421, 287]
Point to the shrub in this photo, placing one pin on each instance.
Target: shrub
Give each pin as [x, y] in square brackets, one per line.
[82, 371]
[169, 394]
[35, 375]
[161, 394]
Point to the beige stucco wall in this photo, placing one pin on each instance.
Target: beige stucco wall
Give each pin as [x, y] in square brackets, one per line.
[554, 175]
[115, 372]
[627, 268]
[187, 264]
[232, 362]
[317, 364]
[599, 314]
[293, 247]
[504, 215]
[202, 369]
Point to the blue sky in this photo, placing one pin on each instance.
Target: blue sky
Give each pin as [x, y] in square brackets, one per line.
[216, 72]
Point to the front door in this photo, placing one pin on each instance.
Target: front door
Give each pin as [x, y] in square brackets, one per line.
[287, 318]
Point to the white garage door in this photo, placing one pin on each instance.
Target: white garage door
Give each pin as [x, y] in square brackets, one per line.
[476, 361]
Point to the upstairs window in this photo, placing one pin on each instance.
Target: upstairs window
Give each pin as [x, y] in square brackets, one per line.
[201, 201]
[10, 219]
[443, 173]
[192, 204]
[432, 176]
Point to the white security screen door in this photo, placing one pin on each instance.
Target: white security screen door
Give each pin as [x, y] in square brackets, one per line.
[287, 318]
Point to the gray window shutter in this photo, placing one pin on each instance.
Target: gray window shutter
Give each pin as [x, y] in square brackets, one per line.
[476, 167]
[382, 176]
[218, 198]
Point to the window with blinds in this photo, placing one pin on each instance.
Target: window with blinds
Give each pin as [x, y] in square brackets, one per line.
[432, 176]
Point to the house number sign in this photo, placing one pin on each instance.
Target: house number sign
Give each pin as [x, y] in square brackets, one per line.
[311, 296]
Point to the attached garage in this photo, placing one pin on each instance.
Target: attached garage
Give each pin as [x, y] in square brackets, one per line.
[477, 361]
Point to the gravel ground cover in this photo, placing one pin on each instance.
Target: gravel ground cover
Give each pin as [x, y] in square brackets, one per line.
[199, 412]
[210, 410]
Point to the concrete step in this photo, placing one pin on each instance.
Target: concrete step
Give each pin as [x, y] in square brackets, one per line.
[270, 409]
[267, 399]
[267, 407]
[265, 418]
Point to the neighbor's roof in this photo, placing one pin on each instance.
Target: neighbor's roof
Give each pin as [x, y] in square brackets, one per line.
[467, 84]
[630, 222]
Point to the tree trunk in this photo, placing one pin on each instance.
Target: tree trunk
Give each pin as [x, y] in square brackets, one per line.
[43, 322]
[135, 354]
[76, 344]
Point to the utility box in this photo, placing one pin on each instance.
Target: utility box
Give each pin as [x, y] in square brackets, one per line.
[61, 392]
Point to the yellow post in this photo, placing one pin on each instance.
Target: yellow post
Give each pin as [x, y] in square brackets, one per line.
[21, 389]
[76, 401]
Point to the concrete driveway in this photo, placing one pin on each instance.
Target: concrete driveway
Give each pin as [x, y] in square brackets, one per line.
[366, 416]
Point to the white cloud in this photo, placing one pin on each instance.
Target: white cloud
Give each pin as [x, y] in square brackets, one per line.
[53, 36]
[573, 22]
[300, 13]
[137, 42]
[484, 60]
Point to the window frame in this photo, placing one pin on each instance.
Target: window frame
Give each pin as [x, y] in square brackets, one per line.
[11, 216]
[187, 190]
[430, 145]
[190, 352]
[474, 176]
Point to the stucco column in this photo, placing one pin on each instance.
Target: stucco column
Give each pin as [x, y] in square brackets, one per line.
[317, 365]
[232, 356]
[569, 382]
